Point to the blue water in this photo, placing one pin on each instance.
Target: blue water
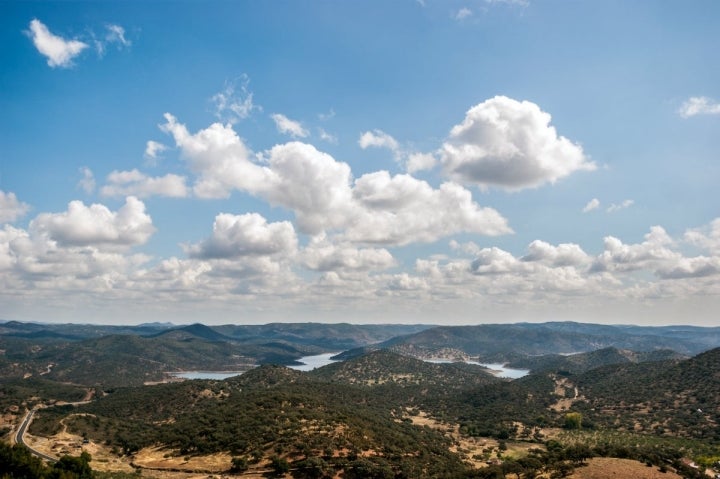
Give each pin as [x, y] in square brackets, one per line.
[498, 369]
[319, 360]
[311, 362]
[217, 375]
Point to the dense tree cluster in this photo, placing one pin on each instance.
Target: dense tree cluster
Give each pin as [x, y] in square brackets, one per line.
[17, 462]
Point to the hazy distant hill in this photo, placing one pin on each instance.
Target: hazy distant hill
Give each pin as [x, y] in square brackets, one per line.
[196, 330]
[581, 362]
[332, 337]
[126, 355]
[506, 342]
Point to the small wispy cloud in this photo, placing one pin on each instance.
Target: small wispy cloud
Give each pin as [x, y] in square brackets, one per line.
[325, 136]
[326, 116]
[87, 182]
[114, 35]
[593, 204]
[153, 151]
[289, 127]
[59, 51]
[235, 101]
[699, 105]
[522, 3]
[617, 207]
[463, 13]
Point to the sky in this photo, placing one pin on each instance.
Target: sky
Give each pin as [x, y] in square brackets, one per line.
[411, 161]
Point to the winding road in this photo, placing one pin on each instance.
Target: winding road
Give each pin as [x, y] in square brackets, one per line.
[20, 437]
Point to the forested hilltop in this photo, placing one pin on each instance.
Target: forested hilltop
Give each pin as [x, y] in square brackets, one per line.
[381, 413]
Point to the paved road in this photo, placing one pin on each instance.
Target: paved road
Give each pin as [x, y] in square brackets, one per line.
[20, 437]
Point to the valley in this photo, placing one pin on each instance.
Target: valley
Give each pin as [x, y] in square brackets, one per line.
[411, 405]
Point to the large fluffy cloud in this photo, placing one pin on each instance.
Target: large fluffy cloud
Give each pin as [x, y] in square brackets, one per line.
[310, 183]
[219, 157]
[401, 209]
[562, 255]
[509, 144]
[323, 255]
[58, 51]
[96, 225]
[246, 235]
[320, 191]
[707, 237]
[618, 256]
[11, 208]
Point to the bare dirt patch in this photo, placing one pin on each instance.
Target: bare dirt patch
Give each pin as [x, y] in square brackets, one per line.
[162, 459]
[564, 403]
[476, 451]
[606, 468]
[64, 443]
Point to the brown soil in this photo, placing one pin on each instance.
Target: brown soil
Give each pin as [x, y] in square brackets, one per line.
[476, 451]
[610, 468]
[162, 459]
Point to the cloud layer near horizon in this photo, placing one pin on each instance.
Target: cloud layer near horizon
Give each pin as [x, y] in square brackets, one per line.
[88, 250]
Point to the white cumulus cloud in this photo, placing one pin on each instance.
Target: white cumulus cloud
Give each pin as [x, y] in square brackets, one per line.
[561, 255]
[245, 235]
[649, 254]
[287, 126]
[378, 139]
[96, 225]
[135, 183]
[11, 208]
[509, 144]
[320, 191]
[58, 51]
[401, 210]
[219, 157]
[707, 237]
[323, 255]
[420, 161]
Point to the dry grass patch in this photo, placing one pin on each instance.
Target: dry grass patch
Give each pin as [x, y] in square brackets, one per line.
[607, 467]
[162, 459]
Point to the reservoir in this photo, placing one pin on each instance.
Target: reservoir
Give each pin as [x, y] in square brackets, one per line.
[498, 369]
[308, 364]
[317, 361]
[217, 375]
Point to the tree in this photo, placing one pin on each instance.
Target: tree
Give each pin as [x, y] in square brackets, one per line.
[238, 464]
[78, 466]
[279, 465]
[573, 420]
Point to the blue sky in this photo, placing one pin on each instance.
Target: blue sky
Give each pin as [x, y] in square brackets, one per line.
[448, 162]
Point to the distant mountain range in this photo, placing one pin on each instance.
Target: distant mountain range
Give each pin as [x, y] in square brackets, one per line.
[123, 355]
